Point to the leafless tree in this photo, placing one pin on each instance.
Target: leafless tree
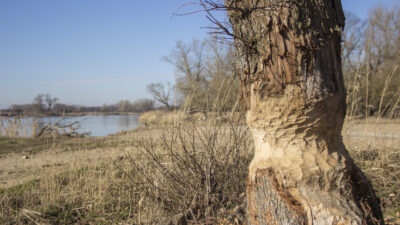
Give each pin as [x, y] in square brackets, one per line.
[142, 105]
[205, 72]
[39, 103]
[353, 39]
[161, 92]
[189, 68]
[50, 102]
[124, 106]
[371, 54]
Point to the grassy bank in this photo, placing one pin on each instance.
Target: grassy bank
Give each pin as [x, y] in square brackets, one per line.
[144, 176]
[36, 145]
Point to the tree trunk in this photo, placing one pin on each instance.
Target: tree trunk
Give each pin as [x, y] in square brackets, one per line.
[292, 86]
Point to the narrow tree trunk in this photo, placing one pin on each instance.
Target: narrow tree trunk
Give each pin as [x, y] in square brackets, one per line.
[292, 86]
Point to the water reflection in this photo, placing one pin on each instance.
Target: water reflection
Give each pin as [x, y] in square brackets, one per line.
[95, 125]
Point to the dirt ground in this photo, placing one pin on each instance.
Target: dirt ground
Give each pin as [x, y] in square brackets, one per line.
[371, 134]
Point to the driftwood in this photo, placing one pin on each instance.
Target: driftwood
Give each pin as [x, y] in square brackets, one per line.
[59, 129]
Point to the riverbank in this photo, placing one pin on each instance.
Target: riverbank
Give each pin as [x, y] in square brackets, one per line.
[100, 179]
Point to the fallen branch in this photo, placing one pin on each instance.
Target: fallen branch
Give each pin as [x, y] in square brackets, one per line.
[58, 128]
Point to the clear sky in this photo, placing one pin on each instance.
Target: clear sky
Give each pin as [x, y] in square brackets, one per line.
[92, 52]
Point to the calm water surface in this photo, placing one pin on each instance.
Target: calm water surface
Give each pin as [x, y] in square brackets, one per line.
[94, 125]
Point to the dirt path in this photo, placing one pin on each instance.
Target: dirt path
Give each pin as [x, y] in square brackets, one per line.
[372, 134]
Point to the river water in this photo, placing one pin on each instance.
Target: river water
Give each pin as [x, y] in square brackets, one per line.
[94, 125]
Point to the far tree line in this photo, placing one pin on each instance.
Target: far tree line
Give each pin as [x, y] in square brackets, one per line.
[45, 104]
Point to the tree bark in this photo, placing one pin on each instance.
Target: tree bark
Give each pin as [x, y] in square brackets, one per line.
[291, 84]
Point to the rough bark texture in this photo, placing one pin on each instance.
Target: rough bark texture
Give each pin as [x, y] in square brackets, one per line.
[292, 86]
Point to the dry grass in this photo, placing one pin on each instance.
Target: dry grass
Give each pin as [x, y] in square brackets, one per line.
[12, 127]
[195, 168]
[159, 118]
[375, 146]
[183, 168]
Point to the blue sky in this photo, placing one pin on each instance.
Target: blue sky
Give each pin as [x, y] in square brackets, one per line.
[92, 52]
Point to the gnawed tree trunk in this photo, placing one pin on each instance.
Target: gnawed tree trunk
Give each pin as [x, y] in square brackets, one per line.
[292, 86]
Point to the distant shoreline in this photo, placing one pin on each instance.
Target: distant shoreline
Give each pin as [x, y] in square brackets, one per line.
[73, 114]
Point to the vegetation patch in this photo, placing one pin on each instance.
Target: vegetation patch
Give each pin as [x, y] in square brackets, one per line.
[190, 169]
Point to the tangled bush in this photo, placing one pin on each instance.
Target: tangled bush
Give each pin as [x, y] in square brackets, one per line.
[195, 170]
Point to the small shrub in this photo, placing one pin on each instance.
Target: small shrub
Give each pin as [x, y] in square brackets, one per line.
[195, 169]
